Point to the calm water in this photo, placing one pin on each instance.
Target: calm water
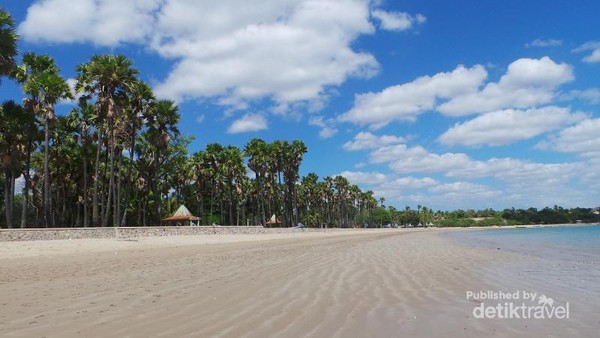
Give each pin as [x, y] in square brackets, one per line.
[563, 256]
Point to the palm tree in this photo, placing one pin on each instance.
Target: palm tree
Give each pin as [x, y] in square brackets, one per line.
[85, 118]
[293, 155]
[32, 137]
[12, 152]
[257, 151]
[233, 170]
[162, 129]
[8, 43]
[108, 78]
[202, 175]
[41, 80]
[141, 104]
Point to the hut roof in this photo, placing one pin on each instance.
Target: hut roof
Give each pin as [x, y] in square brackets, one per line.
[273, 220]
[182, 214]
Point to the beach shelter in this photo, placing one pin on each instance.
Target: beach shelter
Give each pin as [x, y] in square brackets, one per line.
[273, 220]
[183, 216]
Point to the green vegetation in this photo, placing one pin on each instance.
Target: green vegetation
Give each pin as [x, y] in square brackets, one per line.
[118, 159]
[489, 217]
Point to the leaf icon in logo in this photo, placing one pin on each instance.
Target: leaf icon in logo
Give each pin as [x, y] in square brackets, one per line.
[545, 300]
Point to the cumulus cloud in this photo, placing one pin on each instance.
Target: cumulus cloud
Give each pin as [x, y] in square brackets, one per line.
[593, 47]
[360, 177]
[397, 21]
[474, 183]
[248, 123]
[581, 138]
[404, 159]
[508, 126]
[411, 183]
[288, 51]
[527, 83]
[101, 22]
[284, 50]
[366, 140]
[544, 43]
[591, 95]
[327, 129]
[406, 101]
[516, 171]
[464, 188]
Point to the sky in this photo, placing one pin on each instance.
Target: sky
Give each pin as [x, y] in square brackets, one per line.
[466, 104]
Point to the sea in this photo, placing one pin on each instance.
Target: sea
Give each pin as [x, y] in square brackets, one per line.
[561, 257]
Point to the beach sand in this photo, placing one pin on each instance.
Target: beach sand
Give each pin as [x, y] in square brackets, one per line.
[369, 283]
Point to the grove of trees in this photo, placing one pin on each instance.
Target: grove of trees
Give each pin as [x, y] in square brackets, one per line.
[118, 158]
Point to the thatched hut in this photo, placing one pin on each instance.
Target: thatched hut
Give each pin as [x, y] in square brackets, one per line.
[183, 217]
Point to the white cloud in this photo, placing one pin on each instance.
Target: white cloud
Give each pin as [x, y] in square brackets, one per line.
[403, 159]
[516, 171]
[101, 22]
[464, 188]
[200, 118]
[544, 43]
[235, 51]
[411, 183]
[591, 95]
[582, 139]
[285, 50]
[387, 181]
[359, 177]
[327, 129]
[508, 181]
[366, 140]
[397, 21]
[327, 132]
[527, 83]
[508, 126]
[406, 101]
[594, 47]
[248, 123]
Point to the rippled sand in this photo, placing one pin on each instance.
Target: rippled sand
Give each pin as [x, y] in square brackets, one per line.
[337, 284]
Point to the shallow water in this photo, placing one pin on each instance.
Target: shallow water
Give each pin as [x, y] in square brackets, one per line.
[565, 258]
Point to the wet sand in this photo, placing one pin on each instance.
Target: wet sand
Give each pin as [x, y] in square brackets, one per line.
[378, 283]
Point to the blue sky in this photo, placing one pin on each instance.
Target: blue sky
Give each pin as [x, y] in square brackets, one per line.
[447, 104]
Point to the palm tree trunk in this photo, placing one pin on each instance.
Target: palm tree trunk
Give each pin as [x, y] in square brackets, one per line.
[27, 178]
[85, 191]
[95, 215]
[105, 192]
[129, 179]
[111, 179]
[47, 200]
[230, 205]
[157, 197]
[7, 194]
[117, 207]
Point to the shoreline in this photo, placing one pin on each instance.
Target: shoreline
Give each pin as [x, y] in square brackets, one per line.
[380, 282]
[43, 234]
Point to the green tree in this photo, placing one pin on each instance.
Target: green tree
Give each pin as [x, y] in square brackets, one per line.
[8, 43]
[257, 152]
[44, 86]
[108, 78]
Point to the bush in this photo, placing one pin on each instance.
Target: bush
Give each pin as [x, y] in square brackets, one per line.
[457, 222]
[491, 222]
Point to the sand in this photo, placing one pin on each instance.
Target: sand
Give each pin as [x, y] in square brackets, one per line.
[381, 283]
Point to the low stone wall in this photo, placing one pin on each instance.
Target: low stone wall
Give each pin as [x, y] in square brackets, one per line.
[135, 232]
